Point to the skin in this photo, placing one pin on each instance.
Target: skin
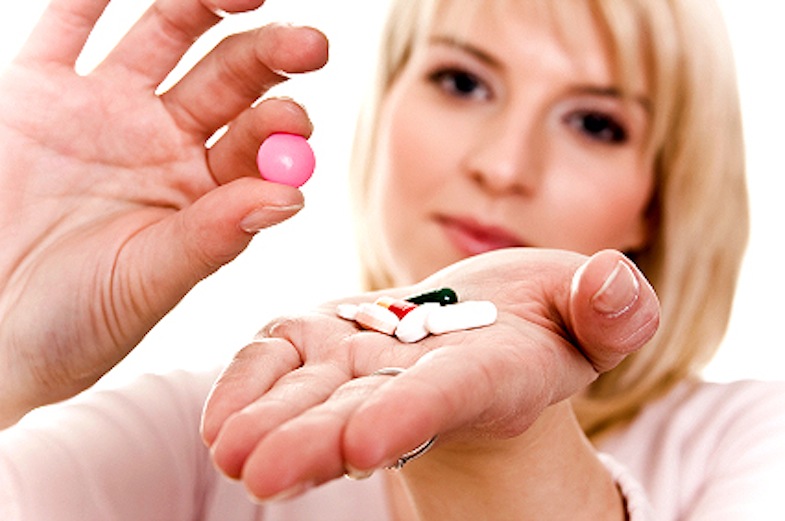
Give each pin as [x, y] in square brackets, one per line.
[305, 383]
[489, 142]
[497, 140]
[105, 227]
[112, 208]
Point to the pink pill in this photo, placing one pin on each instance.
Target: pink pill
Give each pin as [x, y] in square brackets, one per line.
[287, 159]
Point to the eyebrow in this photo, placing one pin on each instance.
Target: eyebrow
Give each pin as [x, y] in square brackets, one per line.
[491, 61]
[468, 48]
[615, 93]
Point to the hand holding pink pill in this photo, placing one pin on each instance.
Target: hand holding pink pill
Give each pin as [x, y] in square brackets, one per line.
[286, 159]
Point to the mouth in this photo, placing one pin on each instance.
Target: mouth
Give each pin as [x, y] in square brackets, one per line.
[471, 237]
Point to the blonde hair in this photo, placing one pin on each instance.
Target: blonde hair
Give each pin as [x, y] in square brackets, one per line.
[700, 203]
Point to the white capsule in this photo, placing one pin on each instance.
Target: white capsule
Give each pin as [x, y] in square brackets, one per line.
[374, 316]
[347, 311]
[412, 328]
[460, 316]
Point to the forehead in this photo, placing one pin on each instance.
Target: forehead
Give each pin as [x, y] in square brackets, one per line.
[571, 35]
[562, 17]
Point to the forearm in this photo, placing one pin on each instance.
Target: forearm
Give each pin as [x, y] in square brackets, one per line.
[550, 472]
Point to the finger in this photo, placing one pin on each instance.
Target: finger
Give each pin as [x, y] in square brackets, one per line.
[229, 425]
[218, 226]
[613, 309]
[293, 393]
[485, 391]
[562, 291]
[61, 32]
[252, 372]
[307, 450]
[183, 248]
[325, 338]
[238, 71]
[161, 37]
[234, 154]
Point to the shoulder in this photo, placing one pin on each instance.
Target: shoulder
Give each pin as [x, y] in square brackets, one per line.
[736, 416]
[705, 447]
[697, 405]
[710, 412]
[747, 392]
[742, 393]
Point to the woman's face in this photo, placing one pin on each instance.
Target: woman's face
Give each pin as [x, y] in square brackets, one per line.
[508, 136]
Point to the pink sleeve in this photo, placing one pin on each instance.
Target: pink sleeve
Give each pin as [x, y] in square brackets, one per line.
[744, 474]
[132, 454]
[707, 452]
[635, 499]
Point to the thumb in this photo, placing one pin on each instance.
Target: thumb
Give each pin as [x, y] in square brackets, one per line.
[201, 238]
[613, 309]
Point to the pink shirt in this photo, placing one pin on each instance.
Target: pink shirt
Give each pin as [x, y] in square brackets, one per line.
[704, 452]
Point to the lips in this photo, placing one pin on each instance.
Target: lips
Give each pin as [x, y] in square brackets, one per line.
[472, 237]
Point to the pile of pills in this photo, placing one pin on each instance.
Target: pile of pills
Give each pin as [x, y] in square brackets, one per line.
[414, 318]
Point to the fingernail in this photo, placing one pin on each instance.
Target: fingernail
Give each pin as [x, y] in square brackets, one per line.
[618, 293]
[289, 493]
[357, 474]
[267, 216]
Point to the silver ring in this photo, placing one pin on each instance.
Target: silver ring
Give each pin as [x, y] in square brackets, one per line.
[413, 454]
[388, 371]
[421, 449]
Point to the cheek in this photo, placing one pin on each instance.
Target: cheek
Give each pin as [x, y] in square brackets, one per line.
[600, 211]
[416, 165]
[415, 158]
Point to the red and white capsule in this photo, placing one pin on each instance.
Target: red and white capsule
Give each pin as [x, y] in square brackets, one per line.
[376, 317]
[400, 307]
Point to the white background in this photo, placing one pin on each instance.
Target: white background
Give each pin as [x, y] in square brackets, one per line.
[311, 258]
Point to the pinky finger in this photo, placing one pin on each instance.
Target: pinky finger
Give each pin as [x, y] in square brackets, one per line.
[241, 382]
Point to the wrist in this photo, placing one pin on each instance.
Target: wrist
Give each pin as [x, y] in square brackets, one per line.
[549, 472]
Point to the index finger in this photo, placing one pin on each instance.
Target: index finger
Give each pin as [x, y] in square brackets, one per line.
[238, 71]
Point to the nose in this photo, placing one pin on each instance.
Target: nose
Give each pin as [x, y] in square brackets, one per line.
[507, 156]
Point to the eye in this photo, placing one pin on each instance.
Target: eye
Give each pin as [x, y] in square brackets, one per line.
[598, 126]
[460, 83]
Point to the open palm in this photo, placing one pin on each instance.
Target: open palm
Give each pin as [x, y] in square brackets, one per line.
[303, 404]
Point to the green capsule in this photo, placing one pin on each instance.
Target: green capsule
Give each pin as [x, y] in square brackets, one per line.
[441, 296]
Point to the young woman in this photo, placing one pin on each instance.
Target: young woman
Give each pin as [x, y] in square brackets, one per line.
[547, 132]
[579, 126]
